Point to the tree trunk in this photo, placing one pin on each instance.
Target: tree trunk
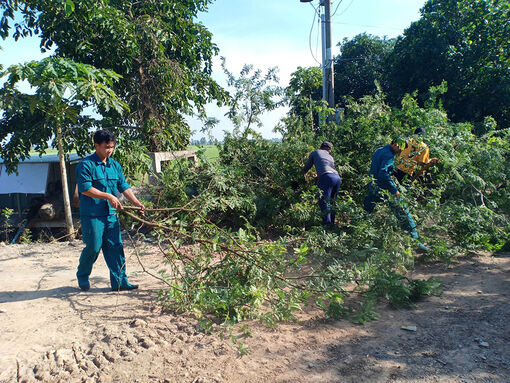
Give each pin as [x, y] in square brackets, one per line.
[65, 191]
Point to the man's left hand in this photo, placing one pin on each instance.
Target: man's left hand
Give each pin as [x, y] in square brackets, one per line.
[141, 206]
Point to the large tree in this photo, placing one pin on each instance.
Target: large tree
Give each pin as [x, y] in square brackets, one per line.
[163, 54]
[466, 43]
[362, 62]
[63, 89]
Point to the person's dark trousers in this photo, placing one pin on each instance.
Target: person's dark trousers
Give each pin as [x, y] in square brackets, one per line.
[329, 184]
[399, 175]
[400, 210]
[372, 198]
[102, 233]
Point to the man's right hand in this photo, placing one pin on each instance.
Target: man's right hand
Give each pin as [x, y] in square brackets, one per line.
[114, 202]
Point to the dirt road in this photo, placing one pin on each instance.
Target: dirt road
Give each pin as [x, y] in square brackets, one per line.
[52, 332]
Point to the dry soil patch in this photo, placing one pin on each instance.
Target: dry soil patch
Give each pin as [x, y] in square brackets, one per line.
[53, 332]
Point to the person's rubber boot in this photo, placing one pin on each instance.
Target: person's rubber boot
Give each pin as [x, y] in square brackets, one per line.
[127, 287]
[84, 287]
[423, 248]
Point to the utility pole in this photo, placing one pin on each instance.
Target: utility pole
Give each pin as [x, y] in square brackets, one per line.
[328, 90]
[327, 64]
[324, 77]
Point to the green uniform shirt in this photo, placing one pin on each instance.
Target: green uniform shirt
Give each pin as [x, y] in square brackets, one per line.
[106, 177]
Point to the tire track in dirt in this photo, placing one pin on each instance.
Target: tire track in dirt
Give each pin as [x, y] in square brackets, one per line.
[163, 350]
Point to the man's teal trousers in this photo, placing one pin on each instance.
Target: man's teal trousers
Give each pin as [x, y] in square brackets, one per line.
[400, 210]
[102, 233]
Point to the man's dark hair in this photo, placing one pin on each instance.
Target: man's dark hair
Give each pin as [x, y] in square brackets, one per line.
[103, 136]
[419, 131]
[326, 145]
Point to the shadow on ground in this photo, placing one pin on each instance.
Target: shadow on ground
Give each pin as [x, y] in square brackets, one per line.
[461, 336]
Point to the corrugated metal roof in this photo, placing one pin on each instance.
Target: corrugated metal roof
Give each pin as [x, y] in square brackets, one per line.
[73, 157]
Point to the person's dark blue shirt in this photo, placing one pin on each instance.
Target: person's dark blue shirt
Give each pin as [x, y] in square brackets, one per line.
[381, 169]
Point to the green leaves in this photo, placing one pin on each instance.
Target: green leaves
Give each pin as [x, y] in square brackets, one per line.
[254, 93]
[360, 65]
[63, 89]
[401, 291]
[304, 95]
[69, 7]
[465, 43]
[257, 190]
[163, 55]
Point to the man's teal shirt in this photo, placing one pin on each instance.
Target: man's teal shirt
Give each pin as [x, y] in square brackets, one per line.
[383, 164]
[104, 176]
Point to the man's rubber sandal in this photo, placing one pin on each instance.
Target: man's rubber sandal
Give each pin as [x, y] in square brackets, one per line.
[125, 288]
[423, 248]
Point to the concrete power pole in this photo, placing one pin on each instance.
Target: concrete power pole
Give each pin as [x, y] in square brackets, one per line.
[327, 63]
[328, 87]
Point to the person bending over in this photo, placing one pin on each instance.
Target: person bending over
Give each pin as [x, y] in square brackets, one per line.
[329, 180]
[415, 159]
[381, 170]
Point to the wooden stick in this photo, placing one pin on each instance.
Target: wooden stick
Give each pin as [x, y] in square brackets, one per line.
[161, 209]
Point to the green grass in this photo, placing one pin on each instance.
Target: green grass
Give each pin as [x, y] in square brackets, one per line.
[48, 151]
[212, 152]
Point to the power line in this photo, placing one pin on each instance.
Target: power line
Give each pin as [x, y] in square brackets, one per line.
[353, 59]
[317, 36]
[310, 35]
[336, 9]
[368, 26]
[345, 10]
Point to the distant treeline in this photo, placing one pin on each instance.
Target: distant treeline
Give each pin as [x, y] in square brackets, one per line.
[457, 53]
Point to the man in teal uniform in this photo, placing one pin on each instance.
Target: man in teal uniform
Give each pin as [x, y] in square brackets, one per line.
[381, 170]
[100, 179]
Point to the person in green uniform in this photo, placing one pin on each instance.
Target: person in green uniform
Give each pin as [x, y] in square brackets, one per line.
[99, 180]
[381, 170]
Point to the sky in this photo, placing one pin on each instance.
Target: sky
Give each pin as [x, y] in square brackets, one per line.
[284, 33]
[269, 33]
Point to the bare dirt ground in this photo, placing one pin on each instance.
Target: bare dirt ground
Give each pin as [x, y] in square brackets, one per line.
[52, 332]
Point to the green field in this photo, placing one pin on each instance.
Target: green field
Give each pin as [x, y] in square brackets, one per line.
[48, 151]
[212, 152]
